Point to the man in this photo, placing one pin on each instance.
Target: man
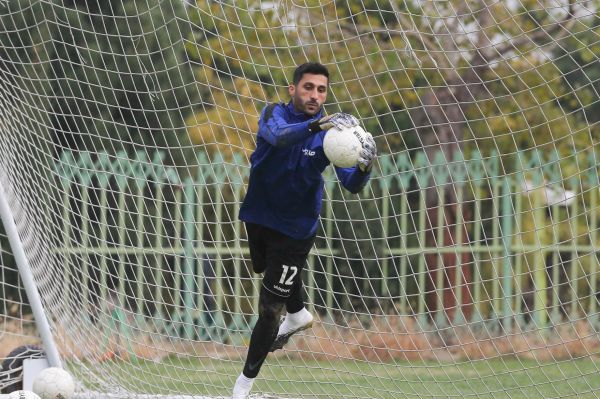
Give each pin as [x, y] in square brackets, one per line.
[282, 206]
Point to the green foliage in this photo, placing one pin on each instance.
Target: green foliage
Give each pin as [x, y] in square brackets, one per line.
[263, 46]
[121, 75]
[525, 113]
[577, 60]
[108, 75]
[115, 73]
[380, 72]
[24, 59]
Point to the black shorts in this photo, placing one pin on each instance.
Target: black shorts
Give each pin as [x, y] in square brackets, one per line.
[281, 257]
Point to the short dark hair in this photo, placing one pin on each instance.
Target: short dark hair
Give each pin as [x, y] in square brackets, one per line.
[310, 67]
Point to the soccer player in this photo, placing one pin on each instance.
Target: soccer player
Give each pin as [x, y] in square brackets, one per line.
[282, 205]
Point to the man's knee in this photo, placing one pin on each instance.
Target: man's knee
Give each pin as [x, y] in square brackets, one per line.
[271, 307]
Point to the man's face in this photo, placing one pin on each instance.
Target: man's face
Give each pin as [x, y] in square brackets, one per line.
[309, 94]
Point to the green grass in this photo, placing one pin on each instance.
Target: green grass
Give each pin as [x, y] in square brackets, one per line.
[498, 378]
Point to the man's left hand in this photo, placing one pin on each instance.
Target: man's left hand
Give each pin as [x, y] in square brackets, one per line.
[367, 154]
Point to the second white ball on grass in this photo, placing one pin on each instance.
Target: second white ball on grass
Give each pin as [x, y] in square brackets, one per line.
[22, 394]
[54, 383]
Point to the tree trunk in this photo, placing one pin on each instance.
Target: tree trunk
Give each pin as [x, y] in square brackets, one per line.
[440, 124]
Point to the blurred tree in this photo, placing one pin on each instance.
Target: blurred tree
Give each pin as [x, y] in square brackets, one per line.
[262, 45]
[225, 126]
[120, 76]
[468, 74]
[23, 56]
[577, 61]
[25, 96]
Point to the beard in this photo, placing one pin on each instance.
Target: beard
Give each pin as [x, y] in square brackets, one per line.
[307, 107]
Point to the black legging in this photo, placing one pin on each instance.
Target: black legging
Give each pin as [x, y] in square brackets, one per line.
[270, 308]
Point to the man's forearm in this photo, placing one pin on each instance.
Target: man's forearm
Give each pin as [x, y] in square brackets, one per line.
[285, 135]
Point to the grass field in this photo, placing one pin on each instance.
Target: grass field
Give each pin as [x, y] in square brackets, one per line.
[498, 378]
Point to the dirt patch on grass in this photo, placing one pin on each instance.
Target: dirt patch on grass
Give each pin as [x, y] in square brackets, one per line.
[389, 338]
[401, 338]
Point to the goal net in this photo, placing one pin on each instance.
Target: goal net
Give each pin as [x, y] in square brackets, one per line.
[467, 267]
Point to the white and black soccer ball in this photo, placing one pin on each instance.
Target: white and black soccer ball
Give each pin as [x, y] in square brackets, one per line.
[21, 394]
[342, 146]
[54, 383]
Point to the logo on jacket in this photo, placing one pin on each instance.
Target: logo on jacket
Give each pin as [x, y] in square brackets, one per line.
[308, 153]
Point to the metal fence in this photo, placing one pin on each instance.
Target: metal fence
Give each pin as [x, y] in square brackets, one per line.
[513, 245]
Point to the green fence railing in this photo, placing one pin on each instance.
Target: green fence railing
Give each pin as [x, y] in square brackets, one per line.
[499, 245]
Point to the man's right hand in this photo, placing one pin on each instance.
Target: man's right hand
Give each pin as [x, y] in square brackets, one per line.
[339, 119]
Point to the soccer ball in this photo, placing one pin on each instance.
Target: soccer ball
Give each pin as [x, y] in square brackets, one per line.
[342, 146]
[54, 383]
[22, 395]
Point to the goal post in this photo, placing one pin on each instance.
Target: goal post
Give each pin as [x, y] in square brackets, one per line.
[467, 267]
[26, 275]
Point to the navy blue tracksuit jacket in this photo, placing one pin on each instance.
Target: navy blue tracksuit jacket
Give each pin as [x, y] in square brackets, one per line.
[285, 189]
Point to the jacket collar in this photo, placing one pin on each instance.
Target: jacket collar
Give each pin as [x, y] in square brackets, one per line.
[302, 115]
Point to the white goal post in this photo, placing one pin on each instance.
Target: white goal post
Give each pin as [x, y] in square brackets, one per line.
[467, 267]
[26, 275]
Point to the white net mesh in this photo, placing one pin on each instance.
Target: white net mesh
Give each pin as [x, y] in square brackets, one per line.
[466, 268]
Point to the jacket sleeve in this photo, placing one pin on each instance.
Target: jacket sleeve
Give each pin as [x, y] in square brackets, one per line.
[273, 127]
[353, 179]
